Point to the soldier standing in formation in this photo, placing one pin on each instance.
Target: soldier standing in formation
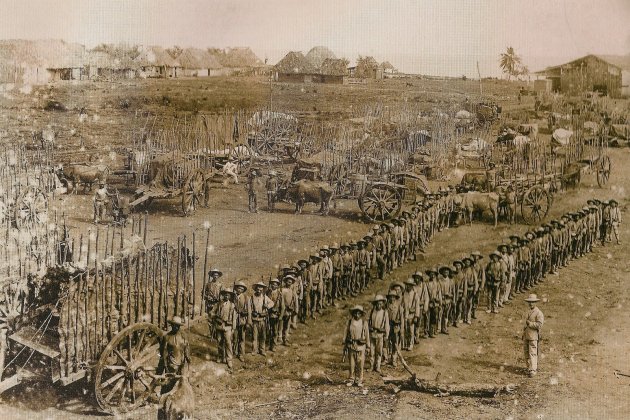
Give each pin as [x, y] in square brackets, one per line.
[356, 340]
[243, 320]
[259, 304]
[225, 317]
[275, 313]
[379, 331]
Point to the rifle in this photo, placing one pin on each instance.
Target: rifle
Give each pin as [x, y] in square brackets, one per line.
[345, 353]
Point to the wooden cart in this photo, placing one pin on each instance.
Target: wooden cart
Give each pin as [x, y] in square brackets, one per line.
[104, 324]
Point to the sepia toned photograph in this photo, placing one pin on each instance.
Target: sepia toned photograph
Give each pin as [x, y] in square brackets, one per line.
[336, 209]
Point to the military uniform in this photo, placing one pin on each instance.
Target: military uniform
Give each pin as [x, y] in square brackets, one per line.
[275, 313]
[225, 318]
[259, 305]
[396, 315]
[434, 294]
[378, 323]
[289, 305]
[356, 340]
[447, 290]
[174, 354]
[411, 302]
[531, 335]
[243, 320]
[272, 190]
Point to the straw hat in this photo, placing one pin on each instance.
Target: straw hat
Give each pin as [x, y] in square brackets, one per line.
[532, 298]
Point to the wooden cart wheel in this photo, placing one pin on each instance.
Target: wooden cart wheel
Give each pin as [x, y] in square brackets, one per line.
[604, 166]
[535, 204]
[123, 378]
[192, 192]
[380, 202]
[31, 208]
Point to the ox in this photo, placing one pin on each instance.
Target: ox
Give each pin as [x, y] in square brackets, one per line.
[307, 191]
[474, 201]
[82, 174]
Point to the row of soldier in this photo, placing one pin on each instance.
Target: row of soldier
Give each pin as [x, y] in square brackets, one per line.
[334, 273]
[432, 300]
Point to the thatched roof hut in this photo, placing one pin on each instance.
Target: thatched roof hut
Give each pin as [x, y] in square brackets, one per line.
[317, 55]
[154, 61]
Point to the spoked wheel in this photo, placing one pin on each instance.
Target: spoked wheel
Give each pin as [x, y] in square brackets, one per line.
[604, 166]
[124, 375]
[535, 204]
[192, 192]
[380, 202]
[31, 208]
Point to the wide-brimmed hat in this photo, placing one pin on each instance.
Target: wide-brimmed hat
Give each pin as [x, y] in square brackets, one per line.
[477, 254]
[396, 283]
[460, 262]
[469, 259]
[418, 273]
[444, 268]
[289, 277]
[495, 254]
[215, 270]
[259, 284]
[379, 298]
[240, 284]
[431, 270]
[334, 246]
[394, 293]
[274, 280]
[532, 298]
[612, 201]
[176, 320]
[410, 282]
[356, 308]
[316, 257]
[227, 290]
[300, 261]
[376, 227]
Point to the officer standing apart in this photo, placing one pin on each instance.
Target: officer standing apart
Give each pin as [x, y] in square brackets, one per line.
[531, 334]
[356, 340]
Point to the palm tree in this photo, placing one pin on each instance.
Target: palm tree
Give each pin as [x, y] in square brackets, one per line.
[510, 62]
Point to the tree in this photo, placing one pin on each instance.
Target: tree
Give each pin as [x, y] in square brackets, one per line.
[175, 52]
[510, 62]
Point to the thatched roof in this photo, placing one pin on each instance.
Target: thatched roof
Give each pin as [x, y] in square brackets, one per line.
[295, 62]
[370, 62]
[49, 53]
[386, 65]
[155, 56]
[317, 55]
[239, 57]
[334, 67]
[195, 58]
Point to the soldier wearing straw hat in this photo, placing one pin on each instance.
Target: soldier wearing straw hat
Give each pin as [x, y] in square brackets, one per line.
[307, 286]
[531, 334]
[447, 291]
[213, 289]
[355, 341]
[243, 320]
[494, 277]
[396, 315]
[481, 281]
[337, 264]
[259, 305]
[317, 284]
[174, 354]
[225, 317]
[379, 330]
[434, 294]
[290, 307]
[275, 312]
[613, 221]
[411, 302]
[327, 273]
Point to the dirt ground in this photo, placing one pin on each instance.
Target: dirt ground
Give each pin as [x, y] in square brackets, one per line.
[586, 332]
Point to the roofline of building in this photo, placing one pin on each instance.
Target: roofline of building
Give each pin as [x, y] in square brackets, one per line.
[559, 66]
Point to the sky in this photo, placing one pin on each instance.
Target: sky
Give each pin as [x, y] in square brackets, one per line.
[437, 37]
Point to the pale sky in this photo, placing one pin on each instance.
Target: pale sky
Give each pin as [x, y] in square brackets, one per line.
[440, 37]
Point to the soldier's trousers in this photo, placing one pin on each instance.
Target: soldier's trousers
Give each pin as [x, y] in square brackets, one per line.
[377, 340]
[225, 346]
[475, 302]
[274, 331]
[394, 342]
[240, 340]
[286, 327]
[305, 306]
[456, 310]
[259, 332]
[381, 266]
[335, 287]
[316, 297]
[493, 297]
[468, 306]
[327, 292]
[445, 314]
[360, 279]
[410, 333]
[271, 200]
[357, 364]
[501, 291]
[508, 287]
[253, 202]
[531, 354]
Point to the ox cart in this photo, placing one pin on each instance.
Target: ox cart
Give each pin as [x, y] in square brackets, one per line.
[103, 323]
[533, 194]
[27, 209]
[171, 176]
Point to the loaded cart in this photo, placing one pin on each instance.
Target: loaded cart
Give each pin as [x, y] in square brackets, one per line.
[102, 323]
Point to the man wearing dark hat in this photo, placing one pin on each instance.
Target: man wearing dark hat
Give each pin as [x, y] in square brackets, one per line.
[259, 304]
[225, 317]
[356, 340]
[378, 323]
[174, 354]
[531, 334]
[447, 290]
[396, 315]
[211, 295]
[434, 294]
